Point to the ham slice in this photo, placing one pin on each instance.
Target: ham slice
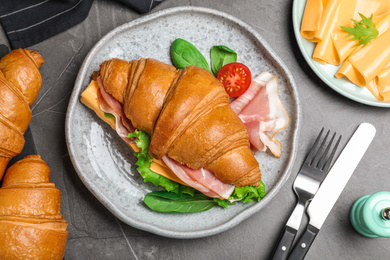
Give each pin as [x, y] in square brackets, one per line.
[200, 177]
[180, 172]
[109, 105]
[262, 112]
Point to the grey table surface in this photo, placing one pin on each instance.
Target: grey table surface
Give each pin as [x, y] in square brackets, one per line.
[94, 233]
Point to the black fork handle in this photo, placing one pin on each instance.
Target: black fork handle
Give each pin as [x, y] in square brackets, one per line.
[284, 245]
[302, 247]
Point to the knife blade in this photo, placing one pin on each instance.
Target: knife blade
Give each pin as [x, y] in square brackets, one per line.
[333, 185]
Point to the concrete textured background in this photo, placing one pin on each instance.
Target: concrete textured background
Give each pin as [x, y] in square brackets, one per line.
[94, 233]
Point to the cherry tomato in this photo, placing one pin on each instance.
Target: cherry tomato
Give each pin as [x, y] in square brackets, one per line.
[235, 77]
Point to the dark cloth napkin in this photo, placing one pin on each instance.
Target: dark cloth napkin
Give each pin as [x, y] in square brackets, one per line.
[27, 22]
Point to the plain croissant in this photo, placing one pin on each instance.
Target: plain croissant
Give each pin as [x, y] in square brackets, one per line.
[20, 82]
[186, 113]
[31, 226]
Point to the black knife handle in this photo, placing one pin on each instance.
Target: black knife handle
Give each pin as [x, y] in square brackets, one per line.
[303, 245]
[284, 244]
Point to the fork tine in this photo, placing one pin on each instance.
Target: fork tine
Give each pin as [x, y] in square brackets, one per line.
[319, 153]
[313, 149]
[329, 161]
[323, 156]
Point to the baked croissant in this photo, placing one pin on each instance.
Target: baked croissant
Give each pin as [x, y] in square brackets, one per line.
[186, 113]
[31, 226]
[20, 82]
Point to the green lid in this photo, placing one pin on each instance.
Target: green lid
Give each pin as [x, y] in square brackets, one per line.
[367, 215]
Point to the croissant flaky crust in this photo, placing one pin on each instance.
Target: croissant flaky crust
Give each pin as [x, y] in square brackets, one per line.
[20, 82]
[31, 225]
[186, 113]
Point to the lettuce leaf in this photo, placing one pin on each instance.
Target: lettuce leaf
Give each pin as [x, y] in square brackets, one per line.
[108, 115]
[142, 140]
[163, 201]
[244, 194]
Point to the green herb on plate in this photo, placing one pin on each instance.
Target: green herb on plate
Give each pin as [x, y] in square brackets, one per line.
[244, 195]
[144, 160]
[163, 201]
[220, 56]
[185, 54]
[363, 31]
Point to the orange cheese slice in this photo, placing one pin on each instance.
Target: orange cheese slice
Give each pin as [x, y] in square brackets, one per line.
[311, 21]
[366, 64]
[90, 99]
[380, 85]
[363, 66]
[322, 21]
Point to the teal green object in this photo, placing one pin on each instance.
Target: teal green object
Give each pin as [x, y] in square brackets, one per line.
[368, 215]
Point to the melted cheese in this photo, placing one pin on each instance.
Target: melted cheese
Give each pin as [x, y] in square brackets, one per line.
[90, 99]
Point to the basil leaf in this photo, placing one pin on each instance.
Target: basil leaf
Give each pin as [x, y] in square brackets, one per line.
[185, 54]
[163, 201]
[220, 56]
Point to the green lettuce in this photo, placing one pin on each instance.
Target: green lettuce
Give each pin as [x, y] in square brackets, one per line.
[187, 199]
[142, 140]
[243, 194]
[108, 115]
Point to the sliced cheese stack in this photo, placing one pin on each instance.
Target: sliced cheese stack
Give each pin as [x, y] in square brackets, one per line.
[370, 66]
[31, 225]
[364, 66]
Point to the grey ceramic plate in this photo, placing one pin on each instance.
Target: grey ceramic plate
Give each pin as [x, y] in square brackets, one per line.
[104, 162]
[326, 72]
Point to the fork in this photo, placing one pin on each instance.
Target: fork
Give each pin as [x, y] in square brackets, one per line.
[313, 171]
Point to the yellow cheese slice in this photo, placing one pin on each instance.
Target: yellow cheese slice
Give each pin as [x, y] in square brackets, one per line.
[90, 99]
[363, 66]
[333, 44]
[367, 66]
[380, 85]
[383, 83]
[311, 20]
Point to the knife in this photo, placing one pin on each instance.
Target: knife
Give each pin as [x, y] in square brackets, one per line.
[332, 187]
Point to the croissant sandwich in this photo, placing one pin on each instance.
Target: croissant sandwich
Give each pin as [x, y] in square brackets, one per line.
[31, 226]
[20, 82]
[196, 138]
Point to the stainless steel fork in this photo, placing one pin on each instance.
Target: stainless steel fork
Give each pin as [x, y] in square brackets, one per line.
[312, 173]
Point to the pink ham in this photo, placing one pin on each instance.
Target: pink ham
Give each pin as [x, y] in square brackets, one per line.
[209, 180]
[116, 106]
[262, 112]
[180, 172]
[109, 105]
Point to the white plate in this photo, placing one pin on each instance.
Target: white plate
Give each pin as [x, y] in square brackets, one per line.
[326, 72]
[104, 162]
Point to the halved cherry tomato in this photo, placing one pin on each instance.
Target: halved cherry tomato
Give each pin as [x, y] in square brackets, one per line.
[235, 77]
